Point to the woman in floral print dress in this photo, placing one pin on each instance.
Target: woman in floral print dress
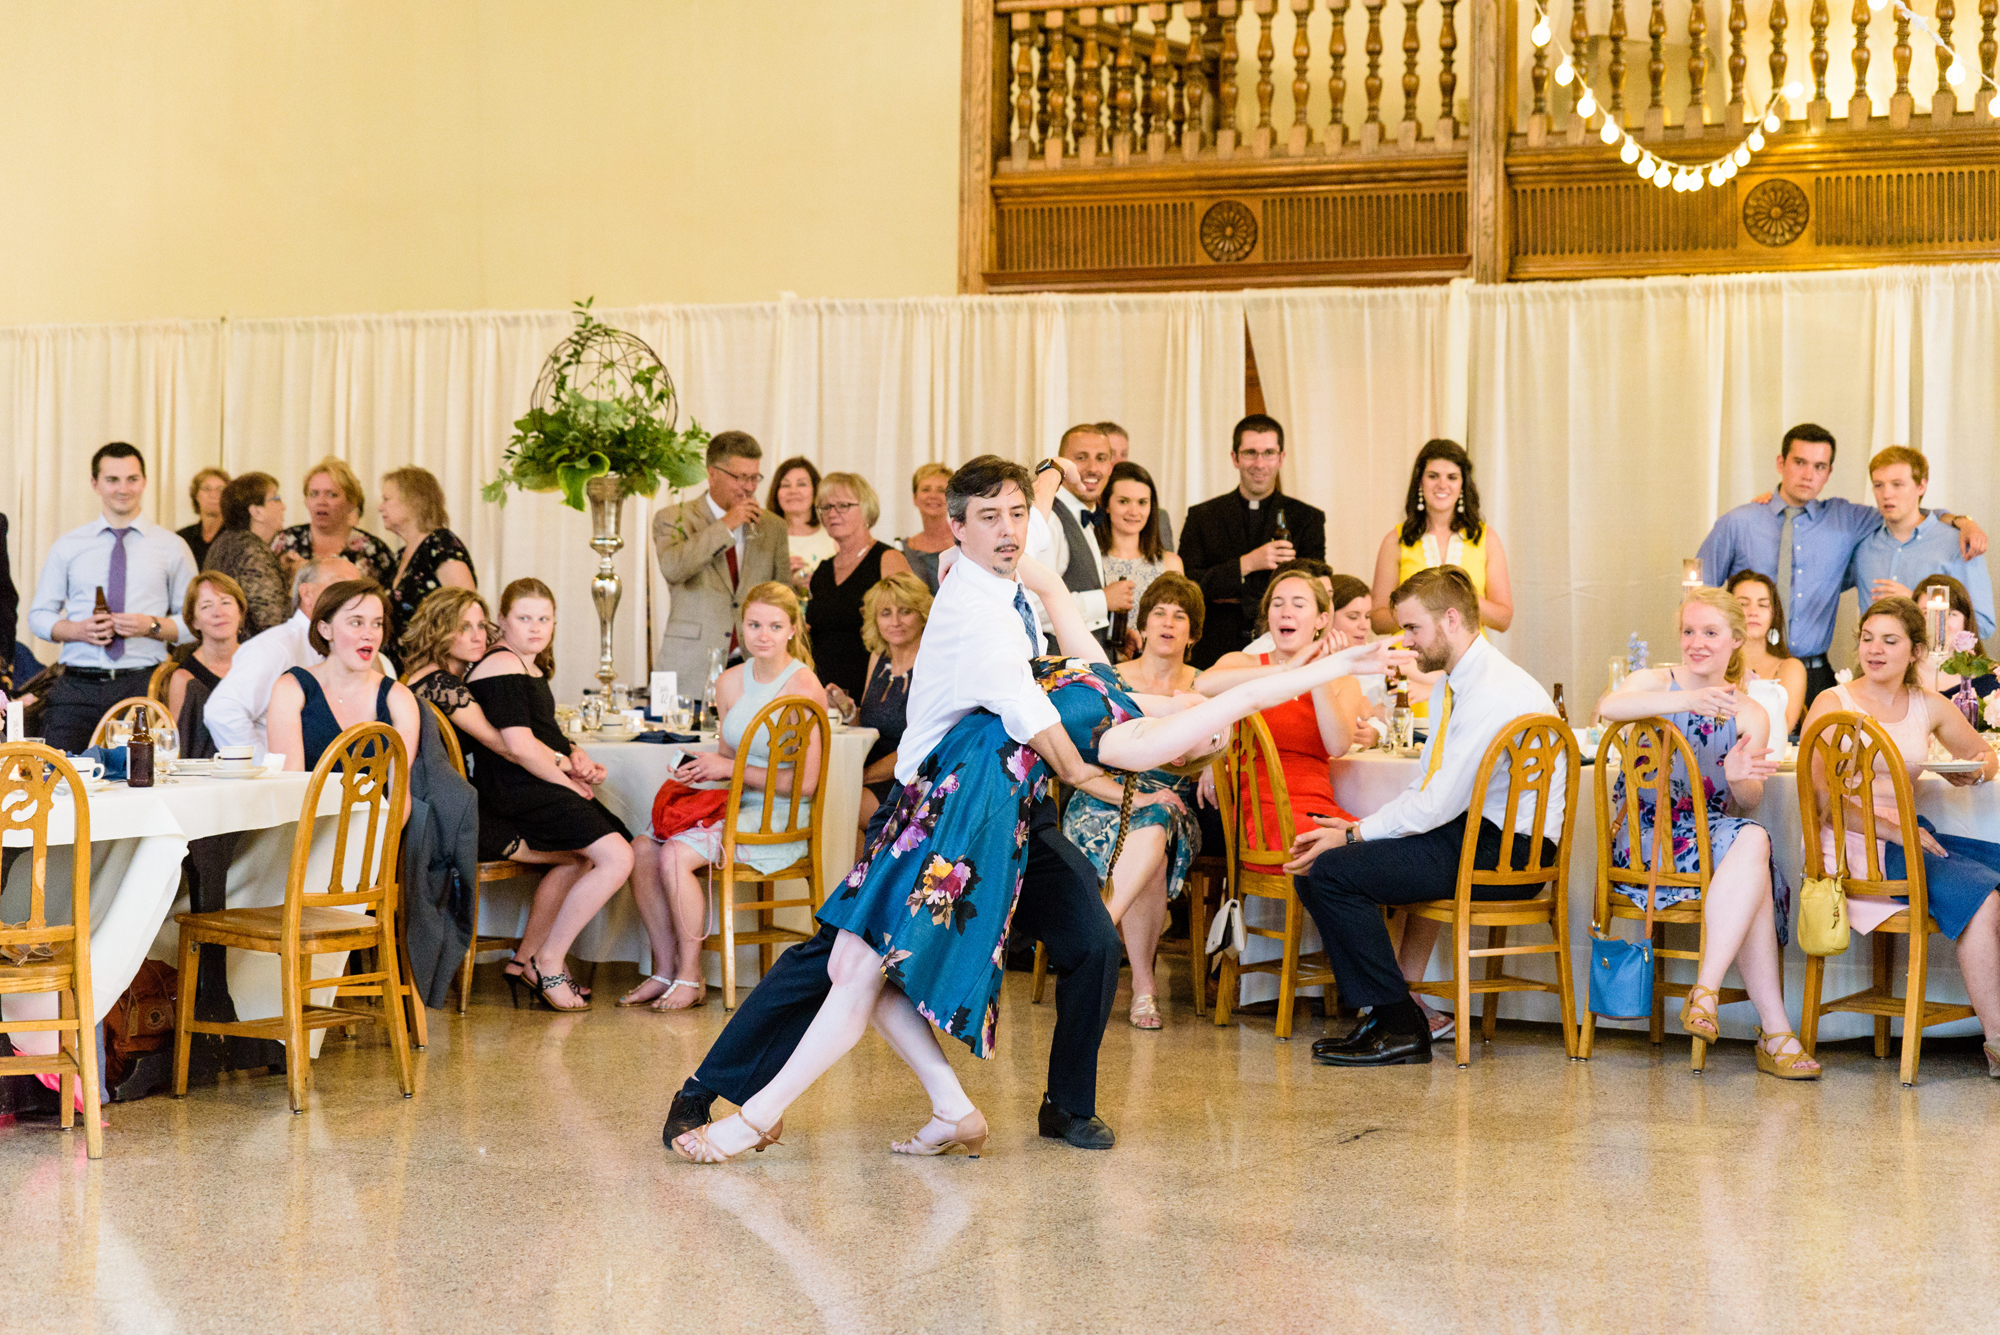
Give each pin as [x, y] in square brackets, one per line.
[936, 890]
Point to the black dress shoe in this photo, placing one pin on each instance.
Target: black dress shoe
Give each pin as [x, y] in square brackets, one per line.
[1086, 1133]
[1360, 1035]
[688, 1112]
[1383, 1048]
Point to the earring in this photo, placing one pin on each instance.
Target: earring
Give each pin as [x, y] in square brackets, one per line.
[1461, 505]
[1772, 636]
[1420, 505]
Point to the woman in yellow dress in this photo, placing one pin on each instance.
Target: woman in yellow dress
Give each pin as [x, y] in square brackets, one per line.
[1442, 526]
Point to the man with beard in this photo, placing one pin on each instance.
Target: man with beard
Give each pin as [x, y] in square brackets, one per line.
[1408, 851]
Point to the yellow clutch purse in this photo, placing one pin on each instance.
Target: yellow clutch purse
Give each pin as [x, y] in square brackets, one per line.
[1823, 926]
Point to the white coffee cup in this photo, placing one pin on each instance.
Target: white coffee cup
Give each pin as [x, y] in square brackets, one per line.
[235, 764]
[87, 769]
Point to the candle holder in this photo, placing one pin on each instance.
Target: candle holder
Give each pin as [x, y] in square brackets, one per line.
[1937, 611]
[1690, 576]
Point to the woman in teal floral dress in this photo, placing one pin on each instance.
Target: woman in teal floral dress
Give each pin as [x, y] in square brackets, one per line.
[934, 894]
[1744, 911]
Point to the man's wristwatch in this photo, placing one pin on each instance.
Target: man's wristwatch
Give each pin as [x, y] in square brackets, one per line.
[1045, 465]
[1354, 834]
[156, 628]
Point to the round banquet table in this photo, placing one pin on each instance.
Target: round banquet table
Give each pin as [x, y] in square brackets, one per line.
[138, 837]
[635, 771]
[1366, 781]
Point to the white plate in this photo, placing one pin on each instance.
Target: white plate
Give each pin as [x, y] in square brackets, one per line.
[1953, 766]
[259, 773]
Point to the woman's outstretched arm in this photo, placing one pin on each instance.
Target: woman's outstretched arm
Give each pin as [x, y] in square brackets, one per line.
[1148, 743]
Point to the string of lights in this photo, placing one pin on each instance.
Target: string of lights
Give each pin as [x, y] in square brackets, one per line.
[1664, 171]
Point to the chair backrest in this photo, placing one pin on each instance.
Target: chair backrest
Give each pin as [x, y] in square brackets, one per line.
[29, 774]
[1840, 757]
[156, 685]
[1250, 769]
[1647, 752]
[372, 769]
[801, 738]
[1540, 753]
[156, 716]
[449, 736]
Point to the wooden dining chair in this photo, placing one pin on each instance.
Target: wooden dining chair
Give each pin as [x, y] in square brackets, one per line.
[156, 716]
[502, 869]
[38, 956]
[371, 772]
[1256, 856]
[1840, 757]
[1542, 761]
[156, 685]
[795, 724]
[1648, 752]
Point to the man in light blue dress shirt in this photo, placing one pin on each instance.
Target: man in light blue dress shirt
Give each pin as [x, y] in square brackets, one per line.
[144, 571]
[1805, 544]
[1910, 545]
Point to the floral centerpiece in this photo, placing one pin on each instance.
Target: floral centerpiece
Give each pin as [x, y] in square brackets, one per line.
[604, 404]
[1969, 662]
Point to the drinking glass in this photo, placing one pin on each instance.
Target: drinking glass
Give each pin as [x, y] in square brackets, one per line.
[118, 733]
[166, 746]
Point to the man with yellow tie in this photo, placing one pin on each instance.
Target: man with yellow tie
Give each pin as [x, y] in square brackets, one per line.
[1408, 851]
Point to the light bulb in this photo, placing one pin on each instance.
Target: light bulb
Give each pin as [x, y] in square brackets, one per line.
[1586, 106]
[1630, 152]
[1694, 182]
[1609, 134]
[1877, 4]
[1564, 73]
[1645, 168]
[1716, 176]
[1993, 107]
[1660, 178]
[1955, 75]
[1741, 157]
[1771, 122]
[1680, 183]
[1794, 91]
[1755, 141]
[1540, 36]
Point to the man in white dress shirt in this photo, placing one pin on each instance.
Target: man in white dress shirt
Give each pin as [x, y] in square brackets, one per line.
[976, 654]
[1077, 513]
[235, 713]
[143, 570]
[1408, 851]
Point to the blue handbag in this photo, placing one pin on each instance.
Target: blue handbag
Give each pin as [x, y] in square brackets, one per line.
[1621, 972]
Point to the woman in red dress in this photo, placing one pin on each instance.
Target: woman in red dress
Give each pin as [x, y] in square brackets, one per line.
[1312, 729]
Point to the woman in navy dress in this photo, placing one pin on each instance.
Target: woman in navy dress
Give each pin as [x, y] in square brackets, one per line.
[311, 707]
[927, 910]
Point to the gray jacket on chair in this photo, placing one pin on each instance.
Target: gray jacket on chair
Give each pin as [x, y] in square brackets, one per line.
[690, 544]
[440, 866]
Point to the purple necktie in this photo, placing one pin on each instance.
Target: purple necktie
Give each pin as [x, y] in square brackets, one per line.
[114, 589]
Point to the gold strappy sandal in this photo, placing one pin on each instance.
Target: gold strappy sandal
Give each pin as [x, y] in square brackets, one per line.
[1700, 1020]
[1784, 1065]
[968, 1134]
[695, 1146]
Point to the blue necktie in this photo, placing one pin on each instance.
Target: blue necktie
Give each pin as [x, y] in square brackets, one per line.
[114, 589]
[1027, 619]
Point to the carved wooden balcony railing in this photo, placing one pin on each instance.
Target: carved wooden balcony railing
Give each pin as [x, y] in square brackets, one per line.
[1230, 143]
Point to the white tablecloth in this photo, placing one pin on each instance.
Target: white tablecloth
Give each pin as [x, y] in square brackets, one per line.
[138, 837]
[635, 772]
[1364, 783]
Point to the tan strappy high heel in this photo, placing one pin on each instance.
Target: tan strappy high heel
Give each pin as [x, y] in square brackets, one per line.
[968, 1134]
[1784, 1065]
[1700, 1020]
[699, 1149]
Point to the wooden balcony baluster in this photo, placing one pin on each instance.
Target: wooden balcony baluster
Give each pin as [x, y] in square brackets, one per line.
[1820, 18]
[1696, 124]
[1159, 128]
[1142, 87]
[1123, 100]
[1044, 78]
[1989, 53]
[1194, 83]
[1779, 60]
[1538, 84]
[1579, 49]
[1901, 103]
[1859, 108]
[1945, 100]
[1412, 84]
[1021, 29]
[1090, 141]
[1615, 67]
[1301, 136]
[1447, 122]
[1656, 71]
[1260, 142]
[1371, 86]
[1739, 66]
[1055, 146]
[1226, 96]
[1336, 79]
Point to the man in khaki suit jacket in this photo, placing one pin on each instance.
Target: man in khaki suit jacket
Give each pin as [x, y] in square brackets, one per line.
[694, 542]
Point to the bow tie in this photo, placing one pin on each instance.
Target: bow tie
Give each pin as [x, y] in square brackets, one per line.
[1095, 519]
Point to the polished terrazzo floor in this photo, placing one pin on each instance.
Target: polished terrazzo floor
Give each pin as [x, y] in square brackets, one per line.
[525, 1189]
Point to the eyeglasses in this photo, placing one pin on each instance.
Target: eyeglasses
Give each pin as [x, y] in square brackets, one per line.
[830, 508]
[1260, 456]
[747, 479]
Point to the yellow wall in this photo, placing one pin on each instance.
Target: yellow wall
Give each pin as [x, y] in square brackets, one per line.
[306, 157]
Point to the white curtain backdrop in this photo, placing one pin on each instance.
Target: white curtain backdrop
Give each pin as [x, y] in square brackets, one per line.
[1609, 422]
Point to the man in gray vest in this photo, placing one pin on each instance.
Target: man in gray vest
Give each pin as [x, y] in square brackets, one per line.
[1077, 513]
